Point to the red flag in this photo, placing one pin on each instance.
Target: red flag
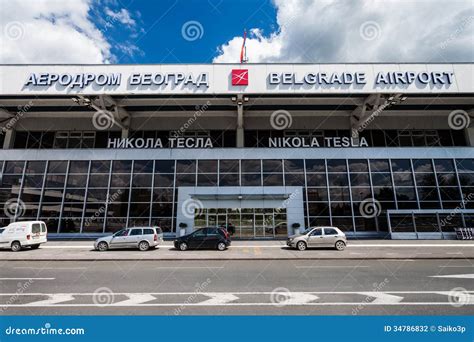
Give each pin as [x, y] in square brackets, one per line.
[243, 48]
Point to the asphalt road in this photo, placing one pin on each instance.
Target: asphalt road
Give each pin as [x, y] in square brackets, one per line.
[300, 287]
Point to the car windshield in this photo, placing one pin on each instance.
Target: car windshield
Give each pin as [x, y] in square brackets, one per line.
[1, 230]
[307, 231]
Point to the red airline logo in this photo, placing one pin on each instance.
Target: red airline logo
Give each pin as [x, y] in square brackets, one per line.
[240, 77]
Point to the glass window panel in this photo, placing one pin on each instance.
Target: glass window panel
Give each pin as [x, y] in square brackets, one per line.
[339, 194]
[162, 195]
[343, 223]
[422, 165]
[336, 179]
[76, 180]
[272, 179]
[229, 179]
[407, 205]
[294, 179]
[162, 209]
[359, 179]
[57, 166]
[141, 195]
[53, 195]
[341, 209]
[403, 179]
[379, 165]
[185, 179]
[448, 222]
[93, 211]
[252, 166]
[430, 205]
[316, 179]
[96, 195]
[318, 208]
[75, 195]
[93, 225]
[315, 165]
[50, 209]
[444, 165]
[115, 224]
[164, 166]
[98, 180]
[358, 165]
[425, 179]
[381, 179]
[361, 193]
[207, 179]
[164, 180]
[140, 210]
[79, 166]
[186, 166]
[337, 165]
[228, 166]
[120, 180]
[251, 179]
[272, 165]
[466, 179]
[383, 193]
[450, 194]
[33, 181]
[317, 194]
[447, 179]
[465, 165]
[426, 223]
[165, 223]
[117, 209]
[15, 167]
[207, 166]
[405, 194]
[401, 165]
[402, 223]
[428, 194]
[121, 166]
[319, 221]
[294, 165]
[35, 167]
[143, 166]
[364, 224]
[142, 180]
[119, 195]
[70, 225]
[31, 195]
[100, 166]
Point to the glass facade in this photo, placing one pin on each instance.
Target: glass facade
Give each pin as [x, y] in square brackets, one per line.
[104, 195]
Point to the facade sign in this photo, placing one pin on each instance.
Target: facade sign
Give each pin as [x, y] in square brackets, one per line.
[172, 142]
[240, 77]
[299, 142]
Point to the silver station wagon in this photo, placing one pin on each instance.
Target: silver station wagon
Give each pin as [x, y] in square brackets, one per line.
[142, 238]
[318, 237]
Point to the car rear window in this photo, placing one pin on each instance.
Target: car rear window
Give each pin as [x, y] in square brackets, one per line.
[330, 231]
[148, 231]
[158, 230]
[43, 228]
[136, 232]
[35, 228]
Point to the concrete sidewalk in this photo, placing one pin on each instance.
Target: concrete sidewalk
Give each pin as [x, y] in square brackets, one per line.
[252, 250]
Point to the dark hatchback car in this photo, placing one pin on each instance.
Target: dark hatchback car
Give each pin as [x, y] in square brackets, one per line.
[204, 238]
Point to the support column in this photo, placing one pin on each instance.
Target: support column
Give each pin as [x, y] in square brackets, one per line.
[240, 122]
[9, 137]
[470, 136]
[125, 132]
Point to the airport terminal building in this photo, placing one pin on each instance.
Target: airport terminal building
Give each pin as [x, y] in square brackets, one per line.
[378, 150]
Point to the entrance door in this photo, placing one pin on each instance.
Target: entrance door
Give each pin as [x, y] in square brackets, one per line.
[222, 220]
[269, 225]
[259, 225]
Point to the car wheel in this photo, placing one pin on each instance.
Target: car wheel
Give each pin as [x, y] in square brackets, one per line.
[183, 246]
[143, 246]
[301, 245]
[102, 246]
[16, 246]
[35, 246]
[340, 245]
[221, 246]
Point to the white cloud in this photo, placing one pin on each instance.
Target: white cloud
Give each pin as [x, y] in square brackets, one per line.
[122, 15]
[362, 31]
[52, 31]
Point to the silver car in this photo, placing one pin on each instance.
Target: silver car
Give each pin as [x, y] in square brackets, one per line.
[318, 237]
[136, 237]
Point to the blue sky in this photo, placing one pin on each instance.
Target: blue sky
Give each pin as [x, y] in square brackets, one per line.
[161, 23]
[289, 31]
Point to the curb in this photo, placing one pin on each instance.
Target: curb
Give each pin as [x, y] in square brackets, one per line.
[241, 259]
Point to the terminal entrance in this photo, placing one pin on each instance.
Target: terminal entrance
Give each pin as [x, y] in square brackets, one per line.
[247, 222]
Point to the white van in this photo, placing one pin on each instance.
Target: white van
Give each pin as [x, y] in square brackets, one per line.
[23, 234]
